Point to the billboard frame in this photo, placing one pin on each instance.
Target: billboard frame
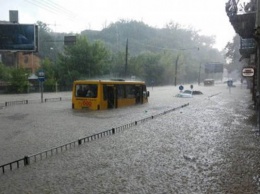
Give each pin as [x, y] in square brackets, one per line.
[13, 41]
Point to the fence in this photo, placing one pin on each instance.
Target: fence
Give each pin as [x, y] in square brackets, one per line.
[12, 103]
[52, 99]
[27, 160]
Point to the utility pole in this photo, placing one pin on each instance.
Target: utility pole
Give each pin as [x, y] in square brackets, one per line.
[177, 60]
[199, 75]
[176, 69]
[126, 56]
[257, 34]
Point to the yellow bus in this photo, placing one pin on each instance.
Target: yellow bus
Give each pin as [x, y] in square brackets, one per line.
[107, 94]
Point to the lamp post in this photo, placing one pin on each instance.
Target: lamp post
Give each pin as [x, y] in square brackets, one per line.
[176, 68]
[199, 75]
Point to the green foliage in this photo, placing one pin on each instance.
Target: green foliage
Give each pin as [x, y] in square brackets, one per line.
[18, 80]
[152, 55]
[4, 73]
[83, 60]
[50, 72]
[117, 67]
[233, 55]
[144, 43]
[50, 43]
[147, 67]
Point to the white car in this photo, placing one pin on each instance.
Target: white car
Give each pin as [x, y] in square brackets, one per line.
[185, 94]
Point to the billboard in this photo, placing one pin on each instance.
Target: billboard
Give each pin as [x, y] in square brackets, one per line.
[214, 68]
[18, 37]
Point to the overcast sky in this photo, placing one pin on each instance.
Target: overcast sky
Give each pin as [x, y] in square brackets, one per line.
[206, 16]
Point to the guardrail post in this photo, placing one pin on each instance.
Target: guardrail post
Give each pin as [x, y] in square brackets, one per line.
[113, 130]
[135, 122]
[26, 160]
[79, 141]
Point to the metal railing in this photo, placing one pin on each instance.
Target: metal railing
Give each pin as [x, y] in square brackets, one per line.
[27, 160]
[20, 102]
[11, 103]
[52, 99]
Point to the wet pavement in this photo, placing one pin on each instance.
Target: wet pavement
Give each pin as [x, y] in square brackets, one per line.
[210, 146]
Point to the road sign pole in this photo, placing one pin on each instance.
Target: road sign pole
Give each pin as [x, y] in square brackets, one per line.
[42, 91]
[41, 78]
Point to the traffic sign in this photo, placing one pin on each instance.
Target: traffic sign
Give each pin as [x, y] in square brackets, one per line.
[41, 76]
[248, 71]
[181, 87]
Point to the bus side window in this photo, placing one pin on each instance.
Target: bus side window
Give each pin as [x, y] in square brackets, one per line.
[91, 91]
[130, 91]
[120, 91]
[105, 92]
[94, 90]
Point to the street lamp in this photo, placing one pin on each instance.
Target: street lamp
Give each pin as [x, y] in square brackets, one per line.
[199, 75]
[176, 68]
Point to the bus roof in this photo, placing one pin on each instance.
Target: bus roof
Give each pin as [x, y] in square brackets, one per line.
[113, 81]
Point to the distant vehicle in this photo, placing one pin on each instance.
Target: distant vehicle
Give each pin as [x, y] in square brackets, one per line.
[108, 94]
[209, 82]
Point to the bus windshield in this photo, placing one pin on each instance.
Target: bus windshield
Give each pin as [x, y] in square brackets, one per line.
[86, 90]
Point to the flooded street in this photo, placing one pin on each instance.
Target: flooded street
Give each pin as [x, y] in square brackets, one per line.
[209, 146]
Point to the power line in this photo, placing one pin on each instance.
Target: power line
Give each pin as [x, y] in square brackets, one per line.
[53, 8]
[60, 8]
[33, 2]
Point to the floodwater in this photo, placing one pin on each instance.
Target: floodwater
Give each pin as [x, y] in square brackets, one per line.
[210, 146]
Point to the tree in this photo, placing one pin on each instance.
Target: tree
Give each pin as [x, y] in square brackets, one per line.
[50, 72]
[83, 60]
[147, 67]
[46, 41]
[232, 54]
[18, 80]
[4, 73]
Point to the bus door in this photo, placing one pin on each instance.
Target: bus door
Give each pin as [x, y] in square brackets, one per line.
[139, 95]
[111, 97]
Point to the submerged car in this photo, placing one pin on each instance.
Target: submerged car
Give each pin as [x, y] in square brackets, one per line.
[188, 93]
[193, 92]
[185, 94]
